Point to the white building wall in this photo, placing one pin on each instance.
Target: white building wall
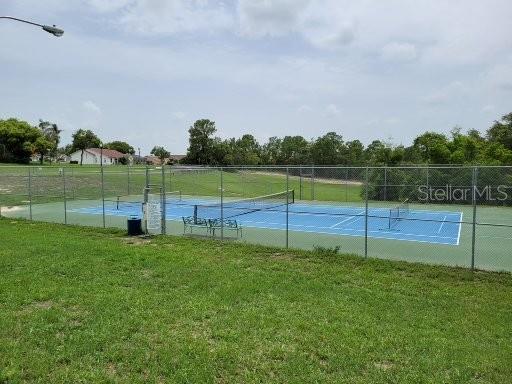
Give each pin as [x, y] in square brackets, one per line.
[91, 158]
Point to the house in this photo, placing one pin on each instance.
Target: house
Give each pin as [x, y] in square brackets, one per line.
[93, 156]
[175, 159]
[153, 160]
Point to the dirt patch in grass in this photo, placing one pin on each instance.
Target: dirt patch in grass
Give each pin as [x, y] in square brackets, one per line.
[136, 240]
[317, 179]
[384, 365]
[37, 305]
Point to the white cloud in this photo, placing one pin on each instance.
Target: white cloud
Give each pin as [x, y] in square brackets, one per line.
[90, 106]
[166, 17]
[301, 17]
[178, 115]
[488, 108]
[447, 94]
[499, 76]
[105, 6]
[304, 109]
[332, 110]
[273, 18]
[399, 52]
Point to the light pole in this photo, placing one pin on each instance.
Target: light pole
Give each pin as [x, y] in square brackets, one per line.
[48, 28]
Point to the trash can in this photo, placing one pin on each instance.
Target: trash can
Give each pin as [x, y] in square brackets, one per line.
[134, 226]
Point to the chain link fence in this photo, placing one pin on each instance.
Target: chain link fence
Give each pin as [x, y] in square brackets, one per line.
[446, 215]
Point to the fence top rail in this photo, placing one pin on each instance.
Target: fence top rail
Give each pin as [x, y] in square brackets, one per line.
[113, 168]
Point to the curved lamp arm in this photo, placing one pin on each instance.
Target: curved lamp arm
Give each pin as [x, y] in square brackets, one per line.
[50, 29]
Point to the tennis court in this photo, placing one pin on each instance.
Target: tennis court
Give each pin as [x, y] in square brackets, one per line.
[270, 212]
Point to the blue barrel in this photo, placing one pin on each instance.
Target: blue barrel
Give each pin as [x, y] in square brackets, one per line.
[134, 226]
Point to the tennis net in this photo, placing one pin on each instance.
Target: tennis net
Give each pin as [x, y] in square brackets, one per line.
[136, 202]
[235, 208]
[397, 213]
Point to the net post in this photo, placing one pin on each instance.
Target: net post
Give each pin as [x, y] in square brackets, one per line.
[366, 215]
[30, 192]
[473, 234]
[221, 205]
[64, 193]
[163, 198]
[287, 205]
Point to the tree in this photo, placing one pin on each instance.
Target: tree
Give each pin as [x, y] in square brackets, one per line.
[161, 153]
[17, 140]
[433, 148]
[328, 149]
[501, 131]
[271, 151]
[43, 146]
[245, 151]
[354, 155]
[49, 142]
[83, 139]
[120, 146]
[378, 153]
[201, 148]
[294, 150]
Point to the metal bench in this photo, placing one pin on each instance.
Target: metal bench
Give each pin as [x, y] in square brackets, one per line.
[190, 222]
[230, 225]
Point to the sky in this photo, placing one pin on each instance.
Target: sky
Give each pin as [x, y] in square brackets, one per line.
[143, 71]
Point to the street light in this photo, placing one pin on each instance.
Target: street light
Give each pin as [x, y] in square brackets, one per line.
[48, 28]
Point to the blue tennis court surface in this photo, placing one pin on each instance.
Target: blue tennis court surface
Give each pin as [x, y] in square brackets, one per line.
[435, 227]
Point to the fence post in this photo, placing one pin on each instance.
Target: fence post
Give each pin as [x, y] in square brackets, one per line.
[65, 200]
[287, 203]
[346, 185]
[73, 184]
[128, 174]
[428, 181]
[30, 192]
[164, 202]
[313, 183]
[366, 215]
[300, 183]
[386, 183]
[102, 188]
[473, 235]
[170, 178]
[221, 205]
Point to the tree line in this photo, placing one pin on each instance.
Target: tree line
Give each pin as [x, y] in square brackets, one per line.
[471, 147]
[20, 141]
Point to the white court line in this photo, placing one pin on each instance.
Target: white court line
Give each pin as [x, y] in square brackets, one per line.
[460, 227]
[373, 237]
[442, 225]
[347, 219]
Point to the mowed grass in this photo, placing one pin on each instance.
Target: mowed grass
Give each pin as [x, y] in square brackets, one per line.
[52, 183]
[89, 305]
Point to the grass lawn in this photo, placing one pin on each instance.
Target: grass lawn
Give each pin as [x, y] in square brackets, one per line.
[89, 305]
[47, 184]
